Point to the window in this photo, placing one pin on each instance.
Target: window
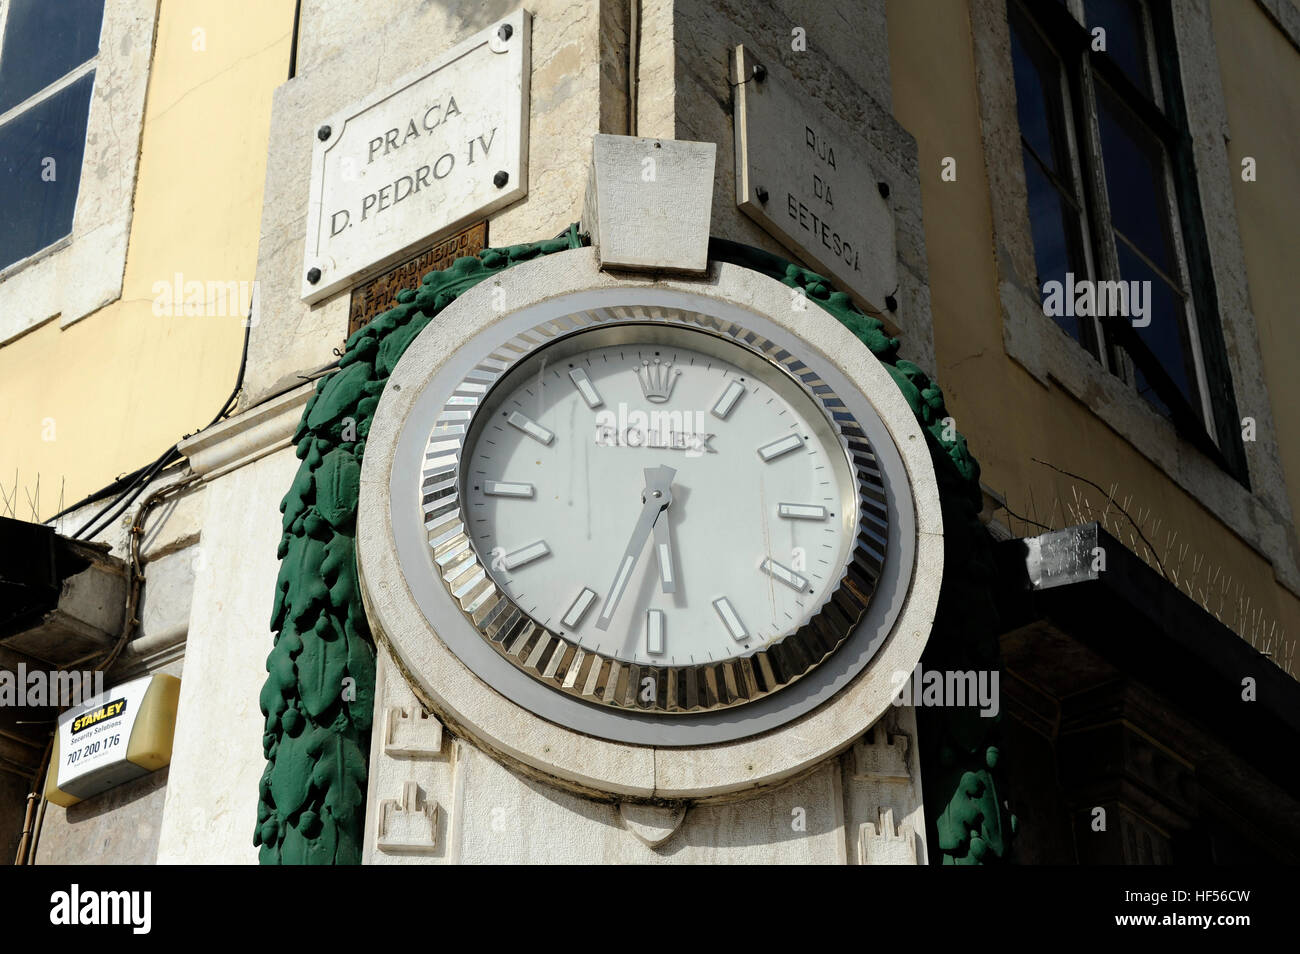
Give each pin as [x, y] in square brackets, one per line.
[47, 60]
[1112, 198]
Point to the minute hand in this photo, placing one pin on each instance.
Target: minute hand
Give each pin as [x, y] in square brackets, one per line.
[656, 499]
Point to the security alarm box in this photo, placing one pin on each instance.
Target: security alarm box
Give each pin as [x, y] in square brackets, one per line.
[121, 734]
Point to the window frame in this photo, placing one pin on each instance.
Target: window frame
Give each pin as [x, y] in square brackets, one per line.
[82, 272]
[1253, 502]
[89, 67]
[1209, 421]
[1092, 331]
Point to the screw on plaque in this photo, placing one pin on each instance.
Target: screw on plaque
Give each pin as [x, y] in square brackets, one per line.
[884, 189]
[500, 179]
[505, 31]
[323, 133]
[759, 72]
[313, 276]
[762, 194]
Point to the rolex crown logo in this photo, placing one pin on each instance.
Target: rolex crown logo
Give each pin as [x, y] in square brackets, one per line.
[657, 380]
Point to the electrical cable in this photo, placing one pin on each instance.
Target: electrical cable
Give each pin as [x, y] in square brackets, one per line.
[293, 44]
[149, 471]
[105, 517]
[108, 490]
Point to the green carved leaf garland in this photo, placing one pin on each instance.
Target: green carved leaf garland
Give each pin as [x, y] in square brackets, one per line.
[320, 682]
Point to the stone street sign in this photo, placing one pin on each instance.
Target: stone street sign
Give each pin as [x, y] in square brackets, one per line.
[419, 158]
[802, 176]
[380, 293]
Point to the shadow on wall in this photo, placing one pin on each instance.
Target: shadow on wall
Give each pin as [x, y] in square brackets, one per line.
[120, 826]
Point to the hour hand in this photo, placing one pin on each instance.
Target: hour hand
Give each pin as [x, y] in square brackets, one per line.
[664, 551]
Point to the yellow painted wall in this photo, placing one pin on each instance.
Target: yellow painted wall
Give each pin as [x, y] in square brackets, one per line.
[1260, 70]
[1008, 416]
[122, 385]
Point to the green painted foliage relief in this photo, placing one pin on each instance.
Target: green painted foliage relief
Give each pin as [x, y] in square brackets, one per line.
[319, 692]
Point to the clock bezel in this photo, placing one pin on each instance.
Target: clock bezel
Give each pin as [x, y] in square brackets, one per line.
[554, 658]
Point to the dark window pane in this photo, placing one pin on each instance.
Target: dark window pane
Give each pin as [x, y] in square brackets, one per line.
[1038, 98]
[1145, 389]
[44, 39]
[1056, 233]
[1125, 39]
[1166, 337]
[1135, 181]
[35, 211]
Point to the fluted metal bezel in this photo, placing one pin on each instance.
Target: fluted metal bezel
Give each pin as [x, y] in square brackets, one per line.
[553, 658]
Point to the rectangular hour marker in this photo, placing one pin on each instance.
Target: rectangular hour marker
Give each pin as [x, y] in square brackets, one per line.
[654, 632]
[525, 555]
[586, 388]
[498, 488]
[729, 619]
[784, 574]
[770, 452]
[529, 427]
[615, 592]
[727, 400]
[801, 512]
[579, 608]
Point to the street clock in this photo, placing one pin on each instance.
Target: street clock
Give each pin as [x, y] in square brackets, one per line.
[623, 515]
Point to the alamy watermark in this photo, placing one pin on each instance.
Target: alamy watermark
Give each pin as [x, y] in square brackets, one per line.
[208, 299]
[947, 689]
[133, 909]
[1088, 299]
[39, 687]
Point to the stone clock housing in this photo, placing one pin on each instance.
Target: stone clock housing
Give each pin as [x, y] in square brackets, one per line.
[647, 539]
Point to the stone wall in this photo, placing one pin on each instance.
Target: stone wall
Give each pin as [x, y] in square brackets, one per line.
[575, 93]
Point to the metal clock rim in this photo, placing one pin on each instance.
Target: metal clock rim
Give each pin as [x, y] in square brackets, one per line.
[555, 660]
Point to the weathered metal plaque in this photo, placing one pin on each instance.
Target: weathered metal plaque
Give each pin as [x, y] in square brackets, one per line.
[801, 174]
[380, 293]
[419, 159]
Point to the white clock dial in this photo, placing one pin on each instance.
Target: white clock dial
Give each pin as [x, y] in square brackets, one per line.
[660, 496]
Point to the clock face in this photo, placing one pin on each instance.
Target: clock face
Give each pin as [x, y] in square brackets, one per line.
[657, 502]
[655, 514]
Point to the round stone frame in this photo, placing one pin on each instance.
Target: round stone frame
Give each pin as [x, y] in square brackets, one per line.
[555, 658]
[694, 757]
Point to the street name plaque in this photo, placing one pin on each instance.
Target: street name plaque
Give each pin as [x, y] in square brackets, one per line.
[419, 159]
[801, 175]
